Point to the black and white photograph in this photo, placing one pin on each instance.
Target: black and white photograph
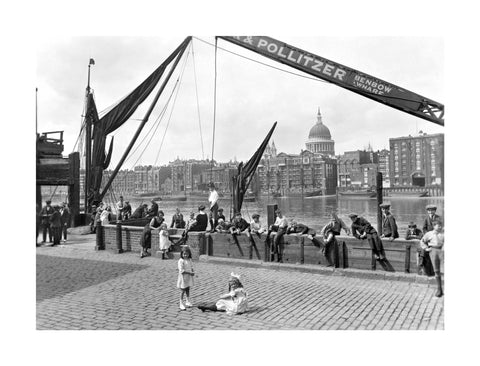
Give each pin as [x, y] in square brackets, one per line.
[199, 183]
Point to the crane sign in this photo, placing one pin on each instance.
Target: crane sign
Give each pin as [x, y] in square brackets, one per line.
[343, 76]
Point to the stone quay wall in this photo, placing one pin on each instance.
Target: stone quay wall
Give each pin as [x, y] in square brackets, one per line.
[349, 252]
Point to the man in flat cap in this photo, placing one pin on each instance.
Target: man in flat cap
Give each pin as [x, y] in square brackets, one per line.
[45, 214]
[389, 226]
[362, 229]
[433, 242]
[431, 217]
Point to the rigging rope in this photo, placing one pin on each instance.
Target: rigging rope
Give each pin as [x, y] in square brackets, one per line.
[198, 104]
[214, 110]
[179, 79]
[259, 62]
[156, 125]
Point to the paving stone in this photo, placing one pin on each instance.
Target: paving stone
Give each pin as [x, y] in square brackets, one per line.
[80, 288]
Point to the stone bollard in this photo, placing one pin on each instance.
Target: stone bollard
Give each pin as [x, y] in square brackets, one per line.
[196, 242]
[118, 238]
[100, 245]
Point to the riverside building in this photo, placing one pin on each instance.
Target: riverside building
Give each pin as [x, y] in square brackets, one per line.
[417, 161]
[313, 171]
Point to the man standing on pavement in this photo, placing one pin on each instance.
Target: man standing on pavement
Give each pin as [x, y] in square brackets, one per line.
[389, 226]
[56, 225]
[65, 215]
[432, 242]
[45, 214]
[431, 217]
[213, 200]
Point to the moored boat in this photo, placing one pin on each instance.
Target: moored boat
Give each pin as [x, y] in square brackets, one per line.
[170, 198]
[358, 194]
[408, 194]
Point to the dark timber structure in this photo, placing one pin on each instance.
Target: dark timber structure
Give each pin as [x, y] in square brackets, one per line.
[55, 170]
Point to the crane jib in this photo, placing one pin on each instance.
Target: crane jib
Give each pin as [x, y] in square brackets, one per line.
[351, 79]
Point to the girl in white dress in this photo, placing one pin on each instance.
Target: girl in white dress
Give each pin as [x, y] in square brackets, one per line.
[233, 302]
[185, 276]
[165, 243]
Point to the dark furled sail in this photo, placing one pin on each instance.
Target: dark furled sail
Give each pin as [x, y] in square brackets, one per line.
[245, 173]
[114, 119]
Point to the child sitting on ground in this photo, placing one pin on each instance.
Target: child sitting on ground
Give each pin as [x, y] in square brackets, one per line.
[233, 302]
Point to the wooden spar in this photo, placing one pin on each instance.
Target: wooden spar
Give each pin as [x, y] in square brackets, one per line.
[177, 53]
[88, 155]
[88, 145]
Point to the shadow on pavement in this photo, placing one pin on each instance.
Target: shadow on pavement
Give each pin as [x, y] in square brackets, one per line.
[58, 276]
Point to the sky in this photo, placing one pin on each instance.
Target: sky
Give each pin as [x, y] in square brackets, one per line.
[251, 93]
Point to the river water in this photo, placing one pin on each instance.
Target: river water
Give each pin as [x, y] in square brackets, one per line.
[313, 212]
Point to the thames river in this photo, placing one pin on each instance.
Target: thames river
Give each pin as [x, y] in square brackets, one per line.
[312, 212]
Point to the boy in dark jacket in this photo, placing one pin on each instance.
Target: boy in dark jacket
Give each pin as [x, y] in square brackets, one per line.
[389, 226]
[239, 224]
[362, 229]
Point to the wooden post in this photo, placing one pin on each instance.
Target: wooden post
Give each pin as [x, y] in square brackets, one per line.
[74, 189]
[250, 247]
[271, 214]
[302, 250]
[118, 238]
[267, 251]
[100, 244]
[407, 258]
[345, 254]
[336, 260]
[379, 202]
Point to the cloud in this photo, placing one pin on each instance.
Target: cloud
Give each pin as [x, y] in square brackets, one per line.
[249, 96]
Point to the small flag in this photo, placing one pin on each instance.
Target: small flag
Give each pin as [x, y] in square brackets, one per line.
[92, 62]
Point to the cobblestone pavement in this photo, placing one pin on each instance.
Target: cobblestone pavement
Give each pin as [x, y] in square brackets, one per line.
[80, 288]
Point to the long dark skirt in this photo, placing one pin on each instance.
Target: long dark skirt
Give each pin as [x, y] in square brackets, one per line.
[146, 239]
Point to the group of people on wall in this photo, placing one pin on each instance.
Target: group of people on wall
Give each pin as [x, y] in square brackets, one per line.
[54, 220]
